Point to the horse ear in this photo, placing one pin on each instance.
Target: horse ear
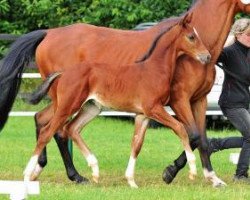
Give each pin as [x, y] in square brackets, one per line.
[188, 18]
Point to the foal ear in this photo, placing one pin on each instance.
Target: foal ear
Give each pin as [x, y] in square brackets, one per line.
[187, 19]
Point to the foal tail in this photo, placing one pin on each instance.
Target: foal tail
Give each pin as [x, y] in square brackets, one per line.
[11, 69]
[43, 89]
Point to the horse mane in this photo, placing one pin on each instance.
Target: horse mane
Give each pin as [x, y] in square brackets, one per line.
[174, 18]
[154, 44]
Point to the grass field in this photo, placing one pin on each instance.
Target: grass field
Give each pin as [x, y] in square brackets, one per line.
[110, 140]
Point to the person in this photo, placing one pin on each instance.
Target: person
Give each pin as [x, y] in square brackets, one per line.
[234, 102]
[235, 96]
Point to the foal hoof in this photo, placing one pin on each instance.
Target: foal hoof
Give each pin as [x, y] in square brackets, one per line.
[33, 177]
[38, 170]
[95, 179]
[169, 174]
[79, 179]
[191, 176]
[131, 182]
[219, 184]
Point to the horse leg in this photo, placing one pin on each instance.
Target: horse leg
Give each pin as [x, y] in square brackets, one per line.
[41, 119]
[184, 114]
[199, 110]
[141, 123]
[73, 129]
[159, 114]
[72, 173]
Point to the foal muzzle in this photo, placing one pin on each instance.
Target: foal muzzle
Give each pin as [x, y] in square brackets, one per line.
[204, 58]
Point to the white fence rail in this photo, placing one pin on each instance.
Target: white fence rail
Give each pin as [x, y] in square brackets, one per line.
[18, 190]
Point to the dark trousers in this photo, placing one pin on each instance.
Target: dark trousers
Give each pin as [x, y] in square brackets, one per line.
[240, 119]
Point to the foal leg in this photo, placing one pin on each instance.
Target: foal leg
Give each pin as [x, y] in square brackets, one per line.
[73, 129]
[194, 120]
[45, 136]
[199, 110]
[141, 123]
[41, 119]
[184, 114]
[159, 114]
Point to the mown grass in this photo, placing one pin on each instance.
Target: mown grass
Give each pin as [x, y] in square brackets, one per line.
[110, 140]
[21, 105]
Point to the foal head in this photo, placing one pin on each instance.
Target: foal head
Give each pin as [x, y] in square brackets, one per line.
[183, 38]
[190, 43]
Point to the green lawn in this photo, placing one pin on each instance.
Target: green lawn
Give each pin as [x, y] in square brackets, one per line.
[110, 140]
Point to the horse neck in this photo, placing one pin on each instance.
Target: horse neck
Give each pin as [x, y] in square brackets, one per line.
[216, 29]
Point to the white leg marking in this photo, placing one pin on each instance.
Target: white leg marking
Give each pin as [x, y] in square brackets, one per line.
[130, 172]
[192, 165]
[211, 176]
[93, 163]
[30, 168]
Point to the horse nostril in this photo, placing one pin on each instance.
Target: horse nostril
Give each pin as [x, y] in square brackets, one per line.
[208, 58]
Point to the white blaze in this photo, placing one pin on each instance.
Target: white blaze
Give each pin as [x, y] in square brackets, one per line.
[195, 31]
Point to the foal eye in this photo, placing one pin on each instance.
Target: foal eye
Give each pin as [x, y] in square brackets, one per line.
[191, 37]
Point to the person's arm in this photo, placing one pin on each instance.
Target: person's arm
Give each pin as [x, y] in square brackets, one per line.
[223, 62]
[222, 58]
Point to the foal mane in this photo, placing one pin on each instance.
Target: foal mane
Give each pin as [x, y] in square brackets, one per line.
[154, 44]
[166, 20]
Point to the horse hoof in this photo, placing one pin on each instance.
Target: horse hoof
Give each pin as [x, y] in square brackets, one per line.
[79, 179]
[82, 181]
[169, 174]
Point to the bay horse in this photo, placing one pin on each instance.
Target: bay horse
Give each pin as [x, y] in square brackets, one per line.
[142, 88]
[60, 48]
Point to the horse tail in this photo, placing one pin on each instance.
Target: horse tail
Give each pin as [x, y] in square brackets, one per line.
[43, 89]
[11, 69]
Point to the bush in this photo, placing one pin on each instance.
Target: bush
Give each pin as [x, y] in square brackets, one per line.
[20, 16]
